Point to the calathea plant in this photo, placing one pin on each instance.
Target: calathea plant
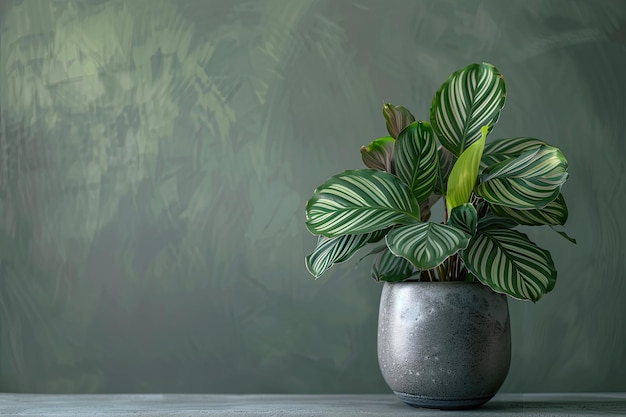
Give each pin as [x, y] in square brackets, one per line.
[488, 189]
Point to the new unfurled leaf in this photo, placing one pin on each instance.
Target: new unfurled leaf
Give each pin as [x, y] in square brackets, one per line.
[360, 201]
[532, 180]
[378, 154]
[472, 97]
[426, 245]
[397, 118]
[415, 159]
[464, 173]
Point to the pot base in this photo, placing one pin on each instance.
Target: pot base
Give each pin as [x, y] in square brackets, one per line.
[420, 401]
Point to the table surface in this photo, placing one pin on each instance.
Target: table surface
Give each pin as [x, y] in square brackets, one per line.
[380, 405]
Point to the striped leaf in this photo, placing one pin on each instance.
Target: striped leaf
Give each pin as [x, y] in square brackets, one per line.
[464, 217]
[492, 221]
[563, 234]
[508, 262]
[464, 173]
[397, 118]
[332, 250]
[391, 268]
[532, 180]
[360, 201]
[426, 245]
[377, 155]
[471, 98]
[415, 159]
[555, 213]
[503, 149]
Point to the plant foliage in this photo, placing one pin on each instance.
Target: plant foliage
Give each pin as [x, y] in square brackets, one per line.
[488, 189]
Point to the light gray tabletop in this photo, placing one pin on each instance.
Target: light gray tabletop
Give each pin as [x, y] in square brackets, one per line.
[380, 405]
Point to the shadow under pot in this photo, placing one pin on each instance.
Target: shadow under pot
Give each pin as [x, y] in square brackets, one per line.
[444, 345]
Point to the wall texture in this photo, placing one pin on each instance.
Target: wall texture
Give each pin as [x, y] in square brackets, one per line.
[156, 157]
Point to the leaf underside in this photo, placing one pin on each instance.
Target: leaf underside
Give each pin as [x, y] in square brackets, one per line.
[378, 154]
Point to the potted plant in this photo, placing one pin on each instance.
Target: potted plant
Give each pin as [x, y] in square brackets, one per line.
[443, 331]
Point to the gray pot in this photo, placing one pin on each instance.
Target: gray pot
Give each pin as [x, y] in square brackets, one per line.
[443, 345]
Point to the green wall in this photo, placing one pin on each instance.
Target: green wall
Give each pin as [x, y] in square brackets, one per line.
[156, 157]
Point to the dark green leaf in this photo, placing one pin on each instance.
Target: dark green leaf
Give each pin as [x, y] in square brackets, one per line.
[446, 162]
[563, 234]
[391, 268]
[493, 221]
[464, 217]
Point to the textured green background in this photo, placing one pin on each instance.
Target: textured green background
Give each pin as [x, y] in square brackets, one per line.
[156, 157]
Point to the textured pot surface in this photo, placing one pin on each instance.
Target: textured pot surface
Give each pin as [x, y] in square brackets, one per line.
[443, 344]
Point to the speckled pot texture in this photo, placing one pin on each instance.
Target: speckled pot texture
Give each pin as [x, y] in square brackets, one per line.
[443, 345]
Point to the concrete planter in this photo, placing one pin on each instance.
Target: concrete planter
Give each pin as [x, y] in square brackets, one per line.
[443, 345]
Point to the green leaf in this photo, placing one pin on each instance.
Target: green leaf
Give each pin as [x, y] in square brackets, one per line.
[426, 245]
[360, 201]
[464, 217]
[332, 250]
[391, 268]
[415, 159]
[508, 262]
[492, 221]
[564, 235]
[472, 97]
[503, 149]
[555, 213]
[397, 118]
[376, 250]
[446, 162]
[464, 173]
[532, 180]
[377, 155]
